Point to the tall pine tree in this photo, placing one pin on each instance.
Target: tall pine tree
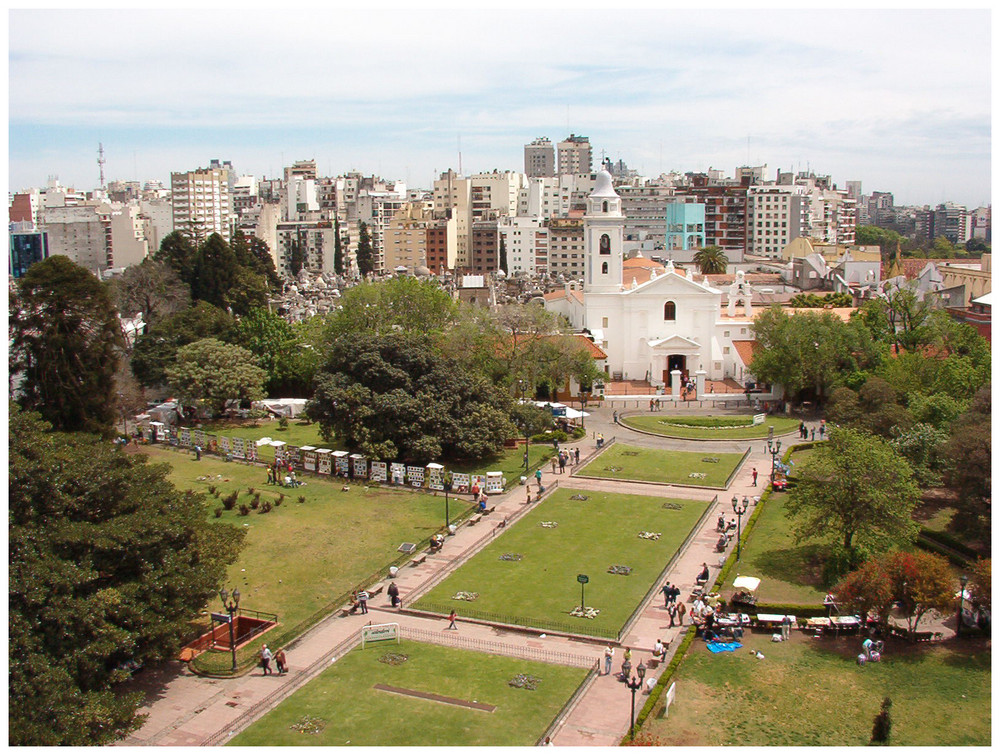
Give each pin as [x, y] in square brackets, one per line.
[365, 253]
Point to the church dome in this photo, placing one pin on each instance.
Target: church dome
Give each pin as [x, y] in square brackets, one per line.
[603, 188]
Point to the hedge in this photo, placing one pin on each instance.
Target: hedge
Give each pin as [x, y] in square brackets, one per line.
[945, 539]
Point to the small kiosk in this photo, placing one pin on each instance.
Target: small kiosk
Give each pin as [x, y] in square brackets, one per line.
[324, 460]
[279, 451]
[494, 482]
[435, 476]
[341, 464]
[359, 466]
[308, 458]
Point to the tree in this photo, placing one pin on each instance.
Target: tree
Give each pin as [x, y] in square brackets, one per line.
[814, 301]
[253, 253]
[858, 488]
[711, 260]
[177, 252]
[396, 305]
[874, 315]
[922, 447]
[981, 583]
[969, 455]
[365, 254]
[157, 348]
[108, 564]
[296, 257]
[874, 408]
[64, 344]
[290, 363]
[395, 396]
[152, 288]
[916, 582]
[212, 372]
[214, 272]
[503, 254]
[869, 235]
[338, 249]
[907, 315]
[809, 353]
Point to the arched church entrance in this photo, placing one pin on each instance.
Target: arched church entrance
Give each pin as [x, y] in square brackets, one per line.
[675, 362]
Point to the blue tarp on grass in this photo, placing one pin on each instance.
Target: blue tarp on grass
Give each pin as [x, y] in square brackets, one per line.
[722, 647]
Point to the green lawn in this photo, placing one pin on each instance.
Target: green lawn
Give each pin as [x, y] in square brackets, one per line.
[663, 425]
[590, 537]
[811, 692]
[624, 462]
[300, 556]
[342, 701]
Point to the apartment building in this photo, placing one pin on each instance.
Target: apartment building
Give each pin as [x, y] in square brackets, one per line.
[441, 245]
[685, 229]
[202, 202]
[314, 242]
[526, 240]
[452, 199]
[774, 218]
[26, 248]
[725, 212]
[645, 210]
[540, 158]
[567, 254]
[575, 155]
[485, 248]
[82, 233]
[406, 237]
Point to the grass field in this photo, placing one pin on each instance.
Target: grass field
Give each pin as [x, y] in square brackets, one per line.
[810, 692]
[300, 556]
[590, 537]
[349, 711]
[662, 425]
[624, 462]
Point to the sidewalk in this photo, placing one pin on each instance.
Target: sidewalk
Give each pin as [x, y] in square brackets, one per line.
[187, 710]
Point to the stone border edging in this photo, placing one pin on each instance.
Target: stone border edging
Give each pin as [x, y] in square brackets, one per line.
[697, 440]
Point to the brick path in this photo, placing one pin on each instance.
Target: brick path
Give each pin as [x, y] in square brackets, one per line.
[185, 709]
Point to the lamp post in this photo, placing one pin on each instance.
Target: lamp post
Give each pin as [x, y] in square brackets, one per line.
[740, 508]
[447, 485]
[527, 465]
[583, 406]
[961, 603]
[231, 607]
[774, 448]
[634, 685]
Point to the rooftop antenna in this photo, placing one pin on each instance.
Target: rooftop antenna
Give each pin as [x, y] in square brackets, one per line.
[459, 154]
[101, 161]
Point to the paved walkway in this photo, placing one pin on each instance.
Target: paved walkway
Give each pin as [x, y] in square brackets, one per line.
[185, 709]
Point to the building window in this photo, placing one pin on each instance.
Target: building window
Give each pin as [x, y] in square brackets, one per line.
[605, 244]
[669, 311]
[604, 322]
[604, 267]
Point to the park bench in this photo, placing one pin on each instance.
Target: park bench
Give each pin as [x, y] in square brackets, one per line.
[475, 519]
[419, 560]
[376, 590]
[489, 510]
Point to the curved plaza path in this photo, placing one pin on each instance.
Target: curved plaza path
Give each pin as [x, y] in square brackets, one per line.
[185, 709]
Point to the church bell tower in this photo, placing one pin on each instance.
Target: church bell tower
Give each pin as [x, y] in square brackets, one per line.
[603, 237]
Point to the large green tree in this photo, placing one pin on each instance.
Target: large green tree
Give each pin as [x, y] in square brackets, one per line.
[177, 252]
[809, 353]
[970, 459]
[253, 254]
[395, 396]
[396, 305]
[711, 260]
[365, 253]
[214, 273]
[108, 564]
[157, 348]
[210, 372]
[858, 489]
[338, 249]
[290, 362]
[65, 341]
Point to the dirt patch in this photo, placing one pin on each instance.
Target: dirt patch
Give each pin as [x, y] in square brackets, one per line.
[436, 698]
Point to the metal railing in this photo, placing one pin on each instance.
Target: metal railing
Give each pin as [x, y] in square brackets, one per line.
[497, 648]
[571, 704]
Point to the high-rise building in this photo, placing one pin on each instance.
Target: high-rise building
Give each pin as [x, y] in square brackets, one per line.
[540, 158]
[526, 240]
[574, 155]
[953, 222]
[202, 202]
[485, 256]
[25, 250]
[567, 250]
[774, 218]
[82, 233]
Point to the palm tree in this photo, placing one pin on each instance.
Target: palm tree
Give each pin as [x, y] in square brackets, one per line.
[711, 260]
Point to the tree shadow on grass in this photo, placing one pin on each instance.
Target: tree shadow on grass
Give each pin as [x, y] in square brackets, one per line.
[798, 566]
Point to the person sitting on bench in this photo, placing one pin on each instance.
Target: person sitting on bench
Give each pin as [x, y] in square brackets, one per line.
[703, 575]
[437, 542]
[721, 545]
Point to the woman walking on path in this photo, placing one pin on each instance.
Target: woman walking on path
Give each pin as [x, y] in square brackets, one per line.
[451, 619]
[265, 660]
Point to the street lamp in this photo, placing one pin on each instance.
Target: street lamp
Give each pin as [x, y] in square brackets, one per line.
[774, 448]
[447, 485]
[527, 465]
[961, 602]
[231, 607]
[634, 685]
[583, 406]
[740, 507]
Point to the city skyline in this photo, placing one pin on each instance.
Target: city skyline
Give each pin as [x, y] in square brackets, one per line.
[879, 97]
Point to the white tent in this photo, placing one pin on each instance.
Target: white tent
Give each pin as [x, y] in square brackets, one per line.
[750, 584]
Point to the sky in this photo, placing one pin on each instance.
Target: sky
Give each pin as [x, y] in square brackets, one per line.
[898, 99]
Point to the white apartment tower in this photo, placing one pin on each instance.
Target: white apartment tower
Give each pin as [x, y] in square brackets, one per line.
[202, 203]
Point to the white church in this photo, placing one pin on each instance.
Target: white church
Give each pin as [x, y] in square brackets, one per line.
[654, 323]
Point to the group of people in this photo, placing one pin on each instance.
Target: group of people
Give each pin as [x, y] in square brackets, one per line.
[565, 456]
[281, 473]
[266, 656]
[805, 432]
[676, 610]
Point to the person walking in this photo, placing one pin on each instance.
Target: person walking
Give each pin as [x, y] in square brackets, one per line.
[667, 593]
[576, 453]
[754, 473]
[675, 593]
[554, 463]
[451, 620]
[265, 660]
[822, 428]
[363, 600]
[280, 661]
[562, 462]
[672, 613]
[609, 656]
[813, 434]
[681, 612]
[393, 592]
[786, 626]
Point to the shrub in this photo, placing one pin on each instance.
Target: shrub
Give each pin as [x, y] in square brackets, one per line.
[255, 501]
[265, 507]
[579, 432]
[229, 502]
[302, 499]
[244, 509]
[283, 423]
[746, 421]
[281, 499]
[251, 490]
[550, 436]
[213, 490]
[218, 512]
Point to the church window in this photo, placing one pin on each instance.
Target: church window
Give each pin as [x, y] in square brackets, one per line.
[605, 244]
[604, 268]
[604, 322]
[605, 206]
[725, 349]
[669, 311]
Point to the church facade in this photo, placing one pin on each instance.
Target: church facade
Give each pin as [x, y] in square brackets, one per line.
[654, 323]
